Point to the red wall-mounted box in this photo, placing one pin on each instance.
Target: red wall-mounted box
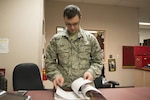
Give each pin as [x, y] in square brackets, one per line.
[130, 52]
[128, 56]
[141, 50]
[142, 61]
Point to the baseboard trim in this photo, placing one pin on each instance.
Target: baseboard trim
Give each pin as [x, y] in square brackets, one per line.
[124, 86]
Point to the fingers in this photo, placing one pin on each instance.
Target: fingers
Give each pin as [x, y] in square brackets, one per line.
[88, 76]
[55, 84]
[59, 81]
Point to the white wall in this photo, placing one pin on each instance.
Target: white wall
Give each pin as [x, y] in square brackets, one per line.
[144, 34]
[120, 23]
[21, 23]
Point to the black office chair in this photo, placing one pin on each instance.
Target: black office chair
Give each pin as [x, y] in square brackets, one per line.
[108, 84]
[26, 76]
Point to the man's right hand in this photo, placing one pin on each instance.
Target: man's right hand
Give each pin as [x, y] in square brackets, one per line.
[59, 81]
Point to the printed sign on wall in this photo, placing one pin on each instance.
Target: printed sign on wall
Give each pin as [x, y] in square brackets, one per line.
[112, 65]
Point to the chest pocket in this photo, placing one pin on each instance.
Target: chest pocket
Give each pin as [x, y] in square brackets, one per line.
[85, 50]
[63, 53]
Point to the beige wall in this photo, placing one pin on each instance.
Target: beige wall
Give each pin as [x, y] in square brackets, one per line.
[21, 23]
[120, 23]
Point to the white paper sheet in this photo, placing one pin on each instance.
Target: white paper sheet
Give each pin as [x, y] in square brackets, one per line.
[4, 44]
[77, 84]
[65, 95]
[76, 94]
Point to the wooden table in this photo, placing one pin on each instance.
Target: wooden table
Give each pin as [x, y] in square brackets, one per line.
[142, 93]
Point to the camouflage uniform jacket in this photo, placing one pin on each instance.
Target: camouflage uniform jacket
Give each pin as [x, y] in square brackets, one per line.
[71, 59]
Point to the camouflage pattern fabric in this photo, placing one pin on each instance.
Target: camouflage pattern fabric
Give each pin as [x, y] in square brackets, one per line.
[72, 58]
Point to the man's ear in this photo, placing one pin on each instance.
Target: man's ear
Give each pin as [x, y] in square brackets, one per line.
[80, 17]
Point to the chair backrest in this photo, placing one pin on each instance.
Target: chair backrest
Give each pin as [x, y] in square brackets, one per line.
[100, 84]
[26, 76]
[98, 81]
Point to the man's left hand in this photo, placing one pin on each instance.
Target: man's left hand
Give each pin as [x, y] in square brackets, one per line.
[88, 75]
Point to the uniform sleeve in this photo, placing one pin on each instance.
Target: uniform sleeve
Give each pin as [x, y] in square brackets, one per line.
[96, 59]
[51, 61]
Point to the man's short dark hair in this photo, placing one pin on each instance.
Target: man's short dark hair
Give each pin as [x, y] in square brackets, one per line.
[71, 11]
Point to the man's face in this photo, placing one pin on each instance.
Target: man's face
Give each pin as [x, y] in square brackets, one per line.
[72, 24]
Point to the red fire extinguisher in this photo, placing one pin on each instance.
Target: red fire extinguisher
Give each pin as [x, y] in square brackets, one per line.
[44, 74]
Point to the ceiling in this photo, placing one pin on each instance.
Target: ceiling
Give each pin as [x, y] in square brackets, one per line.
[143, 5]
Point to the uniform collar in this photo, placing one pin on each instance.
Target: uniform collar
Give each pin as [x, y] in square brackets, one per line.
[65, 33]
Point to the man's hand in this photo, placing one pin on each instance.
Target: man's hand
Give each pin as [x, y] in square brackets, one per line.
[88, 75]
[59, 81]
